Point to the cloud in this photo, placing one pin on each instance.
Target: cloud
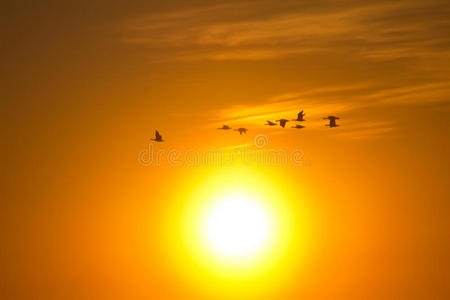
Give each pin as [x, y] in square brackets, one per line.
[255, 114]
[374, 31]
[376, 37]
[366, 129]
[420, 93]
[287, 106]
[321, 102]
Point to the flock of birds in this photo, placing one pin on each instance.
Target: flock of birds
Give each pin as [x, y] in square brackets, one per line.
[282, 123]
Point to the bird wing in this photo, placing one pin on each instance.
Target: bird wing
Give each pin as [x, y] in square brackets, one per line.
[158, 136]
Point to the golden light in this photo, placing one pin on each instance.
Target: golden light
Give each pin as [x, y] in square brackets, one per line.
[237, 225]
[239, 228]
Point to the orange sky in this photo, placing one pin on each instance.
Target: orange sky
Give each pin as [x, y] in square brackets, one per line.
[86, 84]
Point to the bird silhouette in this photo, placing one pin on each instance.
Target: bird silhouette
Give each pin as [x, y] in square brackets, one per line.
[298, 126]
[224, 127]
[332, 121]
[158, 137]
[300, 116]
[270, 123]
[282, 122]
[241, 130]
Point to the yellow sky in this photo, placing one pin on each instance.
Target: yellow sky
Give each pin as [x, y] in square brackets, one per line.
[86, 84]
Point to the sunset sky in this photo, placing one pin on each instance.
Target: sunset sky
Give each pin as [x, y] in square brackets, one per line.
[360, 211]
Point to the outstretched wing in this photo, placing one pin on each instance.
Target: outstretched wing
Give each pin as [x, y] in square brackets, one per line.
[157, 135]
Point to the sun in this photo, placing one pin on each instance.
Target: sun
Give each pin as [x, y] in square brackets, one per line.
[237, 225]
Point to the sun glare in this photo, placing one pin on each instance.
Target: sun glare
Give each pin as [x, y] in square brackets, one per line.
[237, 225]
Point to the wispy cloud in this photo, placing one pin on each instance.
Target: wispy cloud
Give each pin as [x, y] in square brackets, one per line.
[287, 106]
[383, 31]
[364, 130]
[320, 102]
[421, 93]
[375, 36]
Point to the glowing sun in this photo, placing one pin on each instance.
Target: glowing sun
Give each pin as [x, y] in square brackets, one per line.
[237, 225]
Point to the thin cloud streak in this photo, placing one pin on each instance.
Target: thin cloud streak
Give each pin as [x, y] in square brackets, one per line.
[316, 107]
[385, 31]
[359, 134]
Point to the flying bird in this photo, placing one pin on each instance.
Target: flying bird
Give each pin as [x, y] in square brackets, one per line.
[300, 116]
[224, 127]
[241, 130]
[270, 123]
[158, 137]
[332, 121]
[282, 122]
[298, 126]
